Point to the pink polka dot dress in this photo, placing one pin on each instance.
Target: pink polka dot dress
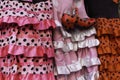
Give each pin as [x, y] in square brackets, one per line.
[26, 48]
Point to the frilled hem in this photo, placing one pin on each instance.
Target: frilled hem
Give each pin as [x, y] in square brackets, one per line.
[90, 61]
[21, 21]
[62, 70]
[28, 51]
[88, 43]
[106, 26]
[92, 75]
[66, 47]
[69, 68]
[89, 76]
[77, 66]
[78, 35]
[49, 76]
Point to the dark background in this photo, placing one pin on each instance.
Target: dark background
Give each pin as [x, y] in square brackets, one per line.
[101, 8]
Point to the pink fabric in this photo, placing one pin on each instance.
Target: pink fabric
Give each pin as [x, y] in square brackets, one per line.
[72, 76]
[88, 56]
[74, 60]
[70, 58]
[27, 13]
[28, 51]
[84, 57]
[46, 24]
[28, 0]
[85, 52]
[62, 77]
[64, 59]
[93, 68]
[21, 62]
[49, 76]
[59, 58]
[25, 65]
[81, 75]
[21, 21]
[57, 35]
[81, 9]
[60, 7]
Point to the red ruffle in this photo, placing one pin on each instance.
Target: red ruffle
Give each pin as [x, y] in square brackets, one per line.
[21, 21]
[27, 51]
[49, 76]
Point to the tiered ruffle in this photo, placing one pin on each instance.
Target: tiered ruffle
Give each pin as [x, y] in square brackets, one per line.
[26, 48]
[74, 51]
[75, 61]
[25, 40]
[78, 39]
[83, 74]
[22, 13]
[49, 76]
[108, 50]
[22, 67]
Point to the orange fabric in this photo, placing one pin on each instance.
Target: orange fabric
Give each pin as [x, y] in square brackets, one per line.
[108, 33]
[116, 1]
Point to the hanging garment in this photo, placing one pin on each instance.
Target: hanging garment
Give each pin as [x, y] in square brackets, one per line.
[26, 49]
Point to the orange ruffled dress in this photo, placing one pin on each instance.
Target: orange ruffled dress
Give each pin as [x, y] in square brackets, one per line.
[108, 32]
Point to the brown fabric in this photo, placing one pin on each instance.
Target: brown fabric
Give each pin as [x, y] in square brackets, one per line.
[108, 26]
[104, 46]
[106, 75]
[117, 64]
[108, 33]
[109, 62]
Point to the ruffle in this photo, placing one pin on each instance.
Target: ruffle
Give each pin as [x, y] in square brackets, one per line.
[58, 24]
[80, 75]
[27, 69]
[108, 60]
[46, 24]
[81, 78]
[106, 26]
[23, 13]
[25, 40]
[74, 46]
[62, 70]
[21, 21]
[90, 61]
[69, 68]
[77, 66]
[88, 43]
[92, 75]
[78, 35]
[28, 51]
[49, 76]
[21, 66]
